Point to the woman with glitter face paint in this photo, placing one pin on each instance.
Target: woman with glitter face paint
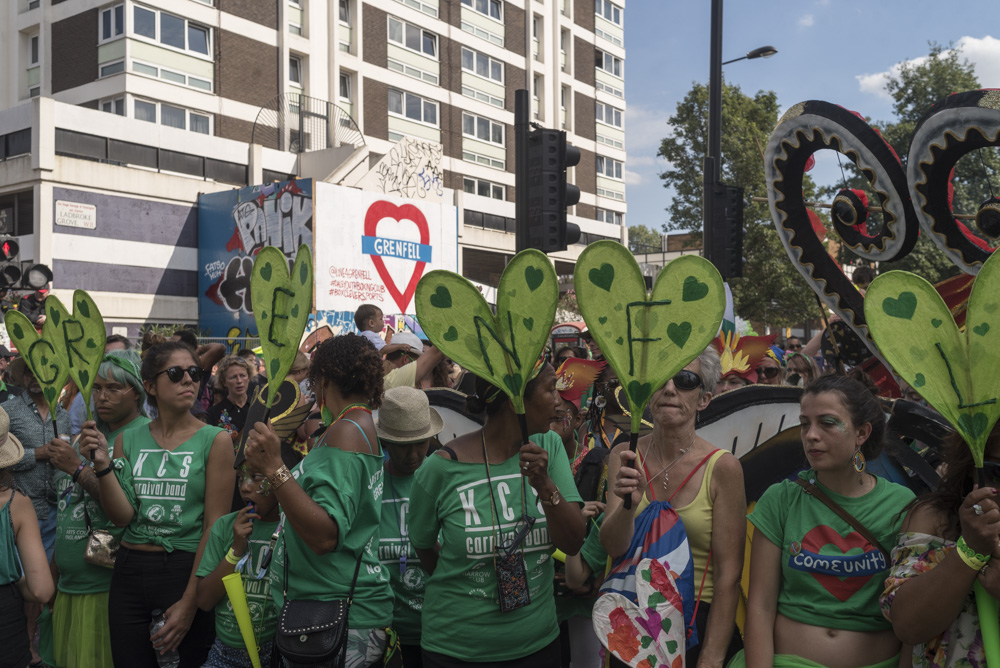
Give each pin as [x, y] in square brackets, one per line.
[813, 598]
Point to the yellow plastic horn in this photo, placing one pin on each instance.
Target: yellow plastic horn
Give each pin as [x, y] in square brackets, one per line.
[238, 599]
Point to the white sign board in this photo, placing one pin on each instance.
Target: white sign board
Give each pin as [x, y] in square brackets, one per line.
[75, 214]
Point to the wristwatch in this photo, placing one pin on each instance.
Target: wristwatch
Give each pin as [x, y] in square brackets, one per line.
[553, 500]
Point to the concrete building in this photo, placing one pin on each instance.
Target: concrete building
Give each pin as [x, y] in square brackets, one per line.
[115, 116]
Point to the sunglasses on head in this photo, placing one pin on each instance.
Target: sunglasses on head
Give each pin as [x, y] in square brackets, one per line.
[687, 380]
[769, 372]
[176, 373]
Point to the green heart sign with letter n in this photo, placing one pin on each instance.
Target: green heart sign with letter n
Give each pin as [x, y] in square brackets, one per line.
[952, 370]
[80, 339]
[647, 337]
[502, 347]
[282, 303]
[40, 353]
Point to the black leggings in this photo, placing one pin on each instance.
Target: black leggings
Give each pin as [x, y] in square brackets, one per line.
[147, 581]
[547, 657]
[13, 629]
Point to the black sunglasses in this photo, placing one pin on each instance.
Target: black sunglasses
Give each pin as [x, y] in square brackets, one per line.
[769, 372]
[176, 373]
[687, 380]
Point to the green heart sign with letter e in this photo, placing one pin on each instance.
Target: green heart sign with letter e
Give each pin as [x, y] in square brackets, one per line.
[502, 347]
[951, 369]
[282, 303]
[40, 353]
[80, 339]
[647, 336]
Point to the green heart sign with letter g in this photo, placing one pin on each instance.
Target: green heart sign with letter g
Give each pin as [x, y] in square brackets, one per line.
[952, 370]
[647, 337]
[281, 306]
[40, 353]
[80, 339]
[502, 347]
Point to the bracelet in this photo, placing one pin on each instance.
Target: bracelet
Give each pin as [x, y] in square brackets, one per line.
[79, 470]
[279, 477]
[232, 558]
[101, 474]
[972, 559]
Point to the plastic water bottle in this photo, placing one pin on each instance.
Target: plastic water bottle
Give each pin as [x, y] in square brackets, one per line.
[170, 659]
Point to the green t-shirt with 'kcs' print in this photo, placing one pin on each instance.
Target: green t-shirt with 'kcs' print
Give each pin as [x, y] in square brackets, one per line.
[461, 612]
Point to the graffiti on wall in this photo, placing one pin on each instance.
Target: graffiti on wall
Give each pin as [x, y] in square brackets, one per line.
[412, 169]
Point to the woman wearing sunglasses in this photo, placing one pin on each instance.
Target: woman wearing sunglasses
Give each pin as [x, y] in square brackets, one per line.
[704, 485]
[800, 370]
[769, 369]
[947, 544]
[169, 482]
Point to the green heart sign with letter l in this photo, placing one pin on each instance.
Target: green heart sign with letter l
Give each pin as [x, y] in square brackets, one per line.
[282, 303]
[951, 370]
[80, 339]
[647, 337]
[502, 347]
[40, 353]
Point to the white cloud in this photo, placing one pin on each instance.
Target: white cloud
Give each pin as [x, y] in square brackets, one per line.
[983, 53]
[644, 130]
[634, 178]
[807, 21]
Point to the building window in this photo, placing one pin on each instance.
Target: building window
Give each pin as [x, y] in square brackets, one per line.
[413, 107]
[607, 114]
[482, 65]
[168, 115]
[170, 30]
[345, 12]
[489, 7]
[609, 167]
[609, 216]
[114, 105]
[345, 87]
[295, 71]
[413, 37]
[482, 129]
[33, 50]
[112, 68]
[145, 111]
[608, 10]
[610, 64]
[483, 188]
[112, 22]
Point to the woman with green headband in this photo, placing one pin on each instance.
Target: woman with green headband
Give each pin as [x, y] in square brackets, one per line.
[81, 633]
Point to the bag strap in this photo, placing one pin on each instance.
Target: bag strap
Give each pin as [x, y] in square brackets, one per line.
[354, 580]
[697, 601]
[815, 491]
[693, 471]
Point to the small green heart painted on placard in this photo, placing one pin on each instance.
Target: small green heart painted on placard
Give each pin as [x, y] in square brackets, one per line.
[441, 298]
[303, 274]
[529, 323]
[936, 322]
[646, 642]
[655, 599]
[901, 307]
[991, 307]
[981, 328]
[679, 333]
[83, 309]
[620, 340]
[637, 389]
[55, 318]
[84, 376]
[513, 382]
[263, 314]
[265, 272]
[973, 425]
[50, 394]
[619, 306]
[45, 360]
[17, 331]
[919, 354]
[451, 334]
[512, 293]
[693, 289]
[92, 344]
[294, 311]
[666, 624]
[671, 647]
[603, 319]
[275, 365]
[919, 380]
[533, 276]
[603, 276]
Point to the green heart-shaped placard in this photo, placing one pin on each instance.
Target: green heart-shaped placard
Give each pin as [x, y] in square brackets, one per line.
[282, 303]
[917, 335]
[80, 339]
[40, 353]
[647, 337]
[502, 347]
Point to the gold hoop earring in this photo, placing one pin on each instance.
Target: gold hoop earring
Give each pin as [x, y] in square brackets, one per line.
[859, 462]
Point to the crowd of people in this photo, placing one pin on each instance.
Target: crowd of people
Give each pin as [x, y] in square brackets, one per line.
[476, 550]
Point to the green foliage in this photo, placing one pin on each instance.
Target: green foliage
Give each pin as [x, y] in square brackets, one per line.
[641, 239]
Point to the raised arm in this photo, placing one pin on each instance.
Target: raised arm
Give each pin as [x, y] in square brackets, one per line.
[113, 499]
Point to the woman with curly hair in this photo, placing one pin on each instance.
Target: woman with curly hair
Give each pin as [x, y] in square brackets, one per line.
[332, 500]
[233, 379]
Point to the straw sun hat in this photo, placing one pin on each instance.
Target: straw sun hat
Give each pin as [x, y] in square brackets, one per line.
[11, 450]
[407, 417]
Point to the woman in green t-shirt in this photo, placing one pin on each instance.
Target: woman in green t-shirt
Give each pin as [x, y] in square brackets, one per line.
[172, 480]
[80, 630]
[815, 578]
[332, 499]
[491, 522]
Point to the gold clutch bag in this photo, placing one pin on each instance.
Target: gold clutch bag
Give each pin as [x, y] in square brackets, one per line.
[101, 546]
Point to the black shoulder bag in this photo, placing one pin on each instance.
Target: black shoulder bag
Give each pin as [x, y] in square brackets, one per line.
[312, 632]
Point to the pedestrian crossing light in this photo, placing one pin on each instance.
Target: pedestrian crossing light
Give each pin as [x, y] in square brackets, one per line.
[10, 269]
[548, 193]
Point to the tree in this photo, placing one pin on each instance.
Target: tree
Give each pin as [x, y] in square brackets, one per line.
[641, 239]
[771, 289]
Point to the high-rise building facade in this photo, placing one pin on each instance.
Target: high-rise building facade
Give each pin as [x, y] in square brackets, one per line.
[182, 87]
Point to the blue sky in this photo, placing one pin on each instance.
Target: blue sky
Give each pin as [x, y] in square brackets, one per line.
[834, 50]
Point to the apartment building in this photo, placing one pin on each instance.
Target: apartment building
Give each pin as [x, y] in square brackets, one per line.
[113, 105]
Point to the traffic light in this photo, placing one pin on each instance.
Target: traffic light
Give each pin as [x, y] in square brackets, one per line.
[724, 245]
[547, 192]
[34, 276]
[10, 270]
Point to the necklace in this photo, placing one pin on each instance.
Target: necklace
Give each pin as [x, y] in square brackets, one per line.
[354, 407]
[665, 470]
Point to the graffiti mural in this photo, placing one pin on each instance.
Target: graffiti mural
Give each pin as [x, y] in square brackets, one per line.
[412, 169]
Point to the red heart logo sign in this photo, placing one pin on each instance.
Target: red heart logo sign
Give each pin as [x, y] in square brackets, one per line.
[382, 209]
[840, 574]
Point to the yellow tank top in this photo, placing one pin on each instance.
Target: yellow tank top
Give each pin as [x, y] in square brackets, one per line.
[697, 518]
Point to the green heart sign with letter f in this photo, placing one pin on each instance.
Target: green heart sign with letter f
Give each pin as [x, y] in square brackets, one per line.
[80, 339]
[502, 347]
[647, 336]
[952, 370]
[40, 353]
[281, 305]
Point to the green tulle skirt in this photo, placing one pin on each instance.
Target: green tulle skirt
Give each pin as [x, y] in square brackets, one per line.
[791, 661]
[80, 632]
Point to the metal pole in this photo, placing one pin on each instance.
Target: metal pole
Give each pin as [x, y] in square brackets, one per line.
[713, 159]
[522, 119]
